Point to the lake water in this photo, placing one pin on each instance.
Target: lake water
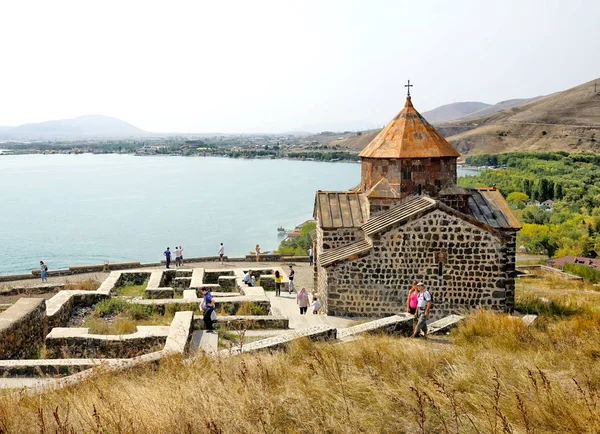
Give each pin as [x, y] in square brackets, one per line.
[87, 209]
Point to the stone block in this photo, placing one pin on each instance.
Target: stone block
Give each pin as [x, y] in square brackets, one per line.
[315, 333]
[180, 333]
[267, 282]
[397, 324]
[248, 322]
[529, 320]
[78, 343]
[22, 328]
[444, 325]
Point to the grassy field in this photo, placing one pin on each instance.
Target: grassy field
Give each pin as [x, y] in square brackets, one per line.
[495, 376]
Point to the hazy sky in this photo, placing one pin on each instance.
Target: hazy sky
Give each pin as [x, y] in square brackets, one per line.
[269, 66]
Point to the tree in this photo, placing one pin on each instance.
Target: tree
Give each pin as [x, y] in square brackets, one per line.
[517, 199]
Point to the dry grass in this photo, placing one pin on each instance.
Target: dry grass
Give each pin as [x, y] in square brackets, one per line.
[498, 377]
[87, 285]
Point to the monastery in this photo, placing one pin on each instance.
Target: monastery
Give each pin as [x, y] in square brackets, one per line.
[407, 220]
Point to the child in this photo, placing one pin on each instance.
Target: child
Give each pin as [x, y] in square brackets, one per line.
[253, 281]
[316, 304]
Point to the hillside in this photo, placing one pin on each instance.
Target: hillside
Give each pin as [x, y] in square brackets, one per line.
[490, 110]
[568, 121]
[80, 127]
[456, 110]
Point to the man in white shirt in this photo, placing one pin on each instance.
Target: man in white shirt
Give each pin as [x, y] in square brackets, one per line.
[177, 256]
[248, 278]
[423, 306]
[221, 253]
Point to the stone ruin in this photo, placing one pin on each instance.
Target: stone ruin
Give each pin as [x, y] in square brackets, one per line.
[40, 346]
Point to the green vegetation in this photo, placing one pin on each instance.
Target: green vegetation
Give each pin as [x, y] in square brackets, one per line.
[569, 226]
[299, 245]
[132, 290]
[117, 316]
[588, 273]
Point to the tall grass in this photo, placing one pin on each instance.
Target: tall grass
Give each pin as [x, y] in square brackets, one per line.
[375, 385]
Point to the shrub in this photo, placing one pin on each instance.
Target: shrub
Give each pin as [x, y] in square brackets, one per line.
[110, 307]
[588, 273]
[138, 312]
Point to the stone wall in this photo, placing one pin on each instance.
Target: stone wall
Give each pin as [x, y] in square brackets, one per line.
[462, 265]
[22, 328]
[431, 174]
[333, 238]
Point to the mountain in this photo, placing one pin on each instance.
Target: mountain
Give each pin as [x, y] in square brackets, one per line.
[502, 105]
[567, 120]
[450, 112]
[81, 127]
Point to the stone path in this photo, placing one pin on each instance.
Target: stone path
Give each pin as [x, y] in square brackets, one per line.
[286, 304]
[202, 341]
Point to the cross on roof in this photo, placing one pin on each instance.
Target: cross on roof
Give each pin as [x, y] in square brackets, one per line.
[408, 86]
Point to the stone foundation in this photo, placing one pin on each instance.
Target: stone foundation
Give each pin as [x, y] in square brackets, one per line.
[22, 328]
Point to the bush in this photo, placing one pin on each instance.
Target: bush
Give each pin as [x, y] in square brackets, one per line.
[110, 307]
[588, 273]
[138, 312]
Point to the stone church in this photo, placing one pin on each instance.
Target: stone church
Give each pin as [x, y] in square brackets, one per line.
[407, 220]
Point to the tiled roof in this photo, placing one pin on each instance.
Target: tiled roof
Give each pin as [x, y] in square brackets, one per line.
[579, 260]
[340, 209]
[409, 135]
[398, 214]
[344, 252]
[489, 207]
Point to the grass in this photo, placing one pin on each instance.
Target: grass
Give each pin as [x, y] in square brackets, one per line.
[132, 290]
[496, 376]
[124, 317]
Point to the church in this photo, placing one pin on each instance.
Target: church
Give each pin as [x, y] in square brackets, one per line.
[407, 220]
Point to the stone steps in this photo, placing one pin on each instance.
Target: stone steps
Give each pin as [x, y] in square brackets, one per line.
[204, 342]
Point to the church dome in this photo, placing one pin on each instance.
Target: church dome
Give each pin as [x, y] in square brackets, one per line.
[409, 135]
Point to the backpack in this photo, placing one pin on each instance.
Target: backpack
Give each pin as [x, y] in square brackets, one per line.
[45, 267]
[430, 296]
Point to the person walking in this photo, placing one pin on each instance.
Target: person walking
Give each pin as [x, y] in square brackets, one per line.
[412, 299]
[208, 305]
[257, 250]
[310, 256]
[423, 306]
[43, 270]
[316, 305]
[177, 256]
[221, 253]
[291, 280]
[277, 279]
[302, 300]
[167, 254]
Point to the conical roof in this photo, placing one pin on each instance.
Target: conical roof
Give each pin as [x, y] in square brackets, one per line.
[409, 135]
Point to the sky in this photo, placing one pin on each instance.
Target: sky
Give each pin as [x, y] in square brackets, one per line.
[274, 66]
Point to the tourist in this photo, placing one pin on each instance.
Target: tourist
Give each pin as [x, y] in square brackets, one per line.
[257, 251]
[208, 305]
[316, 305]
[177, 256]
[277, 279]
[167, 254]
[422, 313]
[412, 299]
[43, 270]
[310, 256]
[253, 280]
[221, 253]
[291, 280]
[248, 278]
[181, 255]
[302, 300]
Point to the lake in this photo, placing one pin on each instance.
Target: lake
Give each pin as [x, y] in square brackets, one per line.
[87, 209]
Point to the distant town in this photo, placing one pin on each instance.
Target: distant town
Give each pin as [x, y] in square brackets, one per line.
[269, 146]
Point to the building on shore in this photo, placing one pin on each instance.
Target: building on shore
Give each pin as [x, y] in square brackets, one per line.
[407, 220]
